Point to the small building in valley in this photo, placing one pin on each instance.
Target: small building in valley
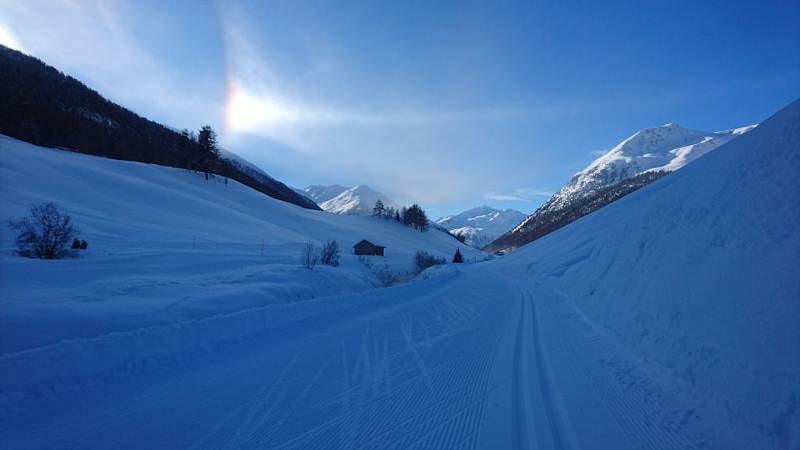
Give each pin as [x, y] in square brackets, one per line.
[365, 247]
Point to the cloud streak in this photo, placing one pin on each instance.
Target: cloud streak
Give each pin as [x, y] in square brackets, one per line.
[524, 194]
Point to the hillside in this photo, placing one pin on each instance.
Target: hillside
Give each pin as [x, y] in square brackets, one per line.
[40, 105]
[638, 160]
[167, 245]
[696, 275]
[481, 225]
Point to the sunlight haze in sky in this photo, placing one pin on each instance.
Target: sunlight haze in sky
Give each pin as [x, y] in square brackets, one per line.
[449, 104]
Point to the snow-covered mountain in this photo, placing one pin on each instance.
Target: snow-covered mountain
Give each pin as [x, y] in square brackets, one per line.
[322, 193]
[665, 148]
[633, 163]
[482, 225]
[696, 275]
[358, 200]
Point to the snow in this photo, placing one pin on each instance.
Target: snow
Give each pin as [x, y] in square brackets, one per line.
[321, 193]
[668, 319]
[483, 224]
[358, 200]
[696, 276]
[167, 245]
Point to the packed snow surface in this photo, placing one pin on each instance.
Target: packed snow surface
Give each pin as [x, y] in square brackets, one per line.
[483, 224]
[669, 319]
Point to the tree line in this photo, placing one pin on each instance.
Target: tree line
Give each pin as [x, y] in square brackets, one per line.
[413, 216]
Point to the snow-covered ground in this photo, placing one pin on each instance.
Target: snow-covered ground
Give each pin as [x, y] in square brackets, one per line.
[167, 245]
[668, 319]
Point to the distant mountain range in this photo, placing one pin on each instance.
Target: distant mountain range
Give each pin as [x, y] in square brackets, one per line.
[481, 225]
[45, 107]
[337, 199]
[632, 164]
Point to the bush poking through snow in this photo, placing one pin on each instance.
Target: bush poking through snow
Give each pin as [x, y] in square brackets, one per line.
[423, 260]
[44, 233]
[308, 257]
[330, 253]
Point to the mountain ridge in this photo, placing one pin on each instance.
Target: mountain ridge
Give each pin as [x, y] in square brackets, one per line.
[656, 150]
[482, 224]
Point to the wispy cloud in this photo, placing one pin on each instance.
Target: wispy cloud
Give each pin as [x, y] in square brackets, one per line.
[519, 195]
[265, 102]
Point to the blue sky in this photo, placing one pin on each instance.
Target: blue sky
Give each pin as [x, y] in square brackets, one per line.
[452, 105]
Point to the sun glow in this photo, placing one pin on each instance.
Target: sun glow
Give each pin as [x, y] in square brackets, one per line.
[8, 39]
[247, 111]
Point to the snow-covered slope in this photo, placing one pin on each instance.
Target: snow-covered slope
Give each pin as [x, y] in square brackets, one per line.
[358, 200]
[697, 275]
[322, 193]
[165, 245]
[483, 224]
[654, 150]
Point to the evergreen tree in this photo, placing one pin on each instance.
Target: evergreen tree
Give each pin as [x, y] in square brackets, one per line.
[207, 138]
[458, 257]
[378, 210]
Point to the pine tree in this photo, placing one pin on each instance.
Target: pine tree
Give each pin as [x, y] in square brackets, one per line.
[458, 257]
[207, 139]
[378, 210]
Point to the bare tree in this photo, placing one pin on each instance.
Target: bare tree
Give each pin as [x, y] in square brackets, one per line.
[308, 257]
[423, 260]
[44, 233]
[330, 253]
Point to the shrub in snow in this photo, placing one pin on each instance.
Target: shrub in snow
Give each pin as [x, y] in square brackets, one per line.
[44, 233]
[423, 260]
[308, 257]
[330, 253]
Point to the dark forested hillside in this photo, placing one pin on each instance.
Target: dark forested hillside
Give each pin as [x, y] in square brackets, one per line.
[546, 220]
[43, 106]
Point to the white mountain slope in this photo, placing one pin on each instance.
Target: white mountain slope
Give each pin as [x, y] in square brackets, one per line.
[358, 200]
[633, 163]
[482, 224]
[322, 193]
[167, 245]
[667, 320]
[668, 148]
[696, 277]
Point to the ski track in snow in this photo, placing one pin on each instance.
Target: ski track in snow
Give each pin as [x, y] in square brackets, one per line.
[412, 373]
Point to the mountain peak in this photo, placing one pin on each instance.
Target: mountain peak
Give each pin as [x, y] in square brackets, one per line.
[358, 200]
[482, 224]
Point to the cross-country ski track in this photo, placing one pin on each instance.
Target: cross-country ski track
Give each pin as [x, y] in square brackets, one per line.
[465, 364]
